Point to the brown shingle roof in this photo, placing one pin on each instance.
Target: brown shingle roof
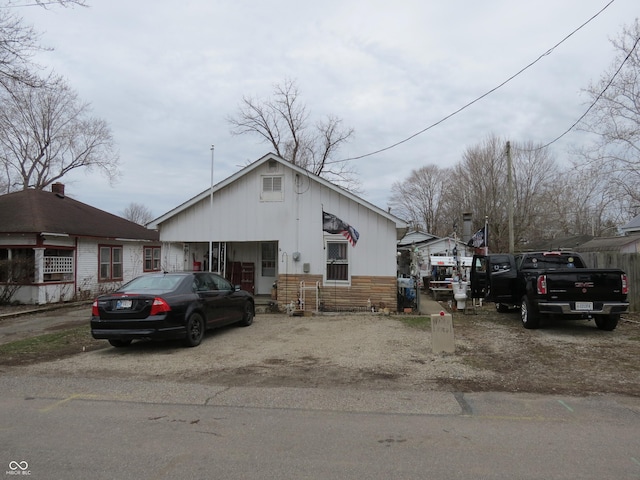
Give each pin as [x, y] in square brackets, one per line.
[37, 211]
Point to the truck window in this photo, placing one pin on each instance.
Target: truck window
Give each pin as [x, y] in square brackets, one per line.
[481, 264]
[500, 263]
[501, 267]
[553, 261]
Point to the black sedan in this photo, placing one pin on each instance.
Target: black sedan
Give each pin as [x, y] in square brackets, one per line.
[169, 306]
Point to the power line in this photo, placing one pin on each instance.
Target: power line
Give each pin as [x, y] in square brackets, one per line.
[464, 107]
[594, 102]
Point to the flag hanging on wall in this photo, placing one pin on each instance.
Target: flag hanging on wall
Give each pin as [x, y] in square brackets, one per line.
[332, 224]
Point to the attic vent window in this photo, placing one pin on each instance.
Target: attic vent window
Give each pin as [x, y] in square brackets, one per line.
[271, 189]
[272, 166]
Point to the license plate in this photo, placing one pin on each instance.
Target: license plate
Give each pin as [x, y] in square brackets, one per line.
[122, 304]
[584, 305]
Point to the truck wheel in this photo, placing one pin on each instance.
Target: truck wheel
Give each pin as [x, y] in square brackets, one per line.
[607, 322]
[530, 318]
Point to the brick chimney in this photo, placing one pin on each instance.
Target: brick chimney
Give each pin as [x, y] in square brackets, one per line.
[58, 189]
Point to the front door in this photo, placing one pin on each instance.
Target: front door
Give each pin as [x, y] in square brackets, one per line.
[243, 274]
[247, 278]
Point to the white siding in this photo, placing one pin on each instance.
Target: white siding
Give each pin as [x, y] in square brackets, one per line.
[239, 215]
[88, 268]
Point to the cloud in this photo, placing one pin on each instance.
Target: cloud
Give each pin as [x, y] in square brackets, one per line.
[166, 75]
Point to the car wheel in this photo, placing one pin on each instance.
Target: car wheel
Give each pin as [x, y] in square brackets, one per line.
[530, 318]
[607, 322]
[195, 330]
[501, 308]
[119, 343]
[247, 316]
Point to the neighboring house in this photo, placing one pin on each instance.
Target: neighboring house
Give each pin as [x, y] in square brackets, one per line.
[58, 249]
[558, 243]
[624, 244]
[414, 236]
[276, 229]
[416, 248]
[632, 227]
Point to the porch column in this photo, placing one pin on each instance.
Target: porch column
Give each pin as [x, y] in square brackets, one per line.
[38, 265]
[38, 274]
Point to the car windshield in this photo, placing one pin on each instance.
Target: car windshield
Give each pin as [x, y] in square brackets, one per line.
[155, 283]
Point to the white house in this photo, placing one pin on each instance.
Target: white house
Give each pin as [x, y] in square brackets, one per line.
[417, 248]
[632, 227]
[275, 224]
[54, 248]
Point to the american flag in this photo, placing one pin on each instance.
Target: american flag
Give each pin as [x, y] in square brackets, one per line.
[332, 224]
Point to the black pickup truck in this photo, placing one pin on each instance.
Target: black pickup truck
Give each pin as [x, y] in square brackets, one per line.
[550, 284]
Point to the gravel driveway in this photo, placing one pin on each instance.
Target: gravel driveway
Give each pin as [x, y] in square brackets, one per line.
[369, 351]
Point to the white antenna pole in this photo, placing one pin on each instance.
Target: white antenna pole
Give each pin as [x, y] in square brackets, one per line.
[211, 214]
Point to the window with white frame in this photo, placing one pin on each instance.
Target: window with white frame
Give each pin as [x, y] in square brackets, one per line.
[58, 265]
[337, 261]
[271, 188]
[110, 262]
[152, 259]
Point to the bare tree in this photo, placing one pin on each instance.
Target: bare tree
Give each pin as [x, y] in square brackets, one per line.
[137, 213]
[419, 199]
[437, 198]
[590, 203]
[615, 118]
[536, 175]
[481, 187]
[283, 123]
[19, 42]
[47, 132]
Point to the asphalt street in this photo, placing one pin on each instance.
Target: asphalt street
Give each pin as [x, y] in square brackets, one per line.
[54, 427]
[77, 428]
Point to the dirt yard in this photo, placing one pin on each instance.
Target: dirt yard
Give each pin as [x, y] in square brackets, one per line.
[493, 353]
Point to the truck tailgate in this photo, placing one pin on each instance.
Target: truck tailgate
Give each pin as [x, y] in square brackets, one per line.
[592, 285]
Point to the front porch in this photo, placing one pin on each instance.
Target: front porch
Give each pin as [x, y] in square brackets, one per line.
[252, 265]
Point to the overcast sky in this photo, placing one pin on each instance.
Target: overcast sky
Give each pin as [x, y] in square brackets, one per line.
[166, 75]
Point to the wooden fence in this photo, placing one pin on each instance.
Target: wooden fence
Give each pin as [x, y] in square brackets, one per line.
[629, 262]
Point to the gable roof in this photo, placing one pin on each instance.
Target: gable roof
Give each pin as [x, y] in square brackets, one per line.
[37, 211]
[632, 226]
[448, 242]
[249, 168]
[415, 236]
[570, 243]
[608, 244]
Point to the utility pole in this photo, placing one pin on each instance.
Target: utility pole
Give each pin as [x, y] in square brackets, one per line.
[510, 200]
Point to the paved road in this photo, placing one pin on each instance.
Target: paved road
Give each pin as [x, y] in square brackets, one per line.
[77, 428]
